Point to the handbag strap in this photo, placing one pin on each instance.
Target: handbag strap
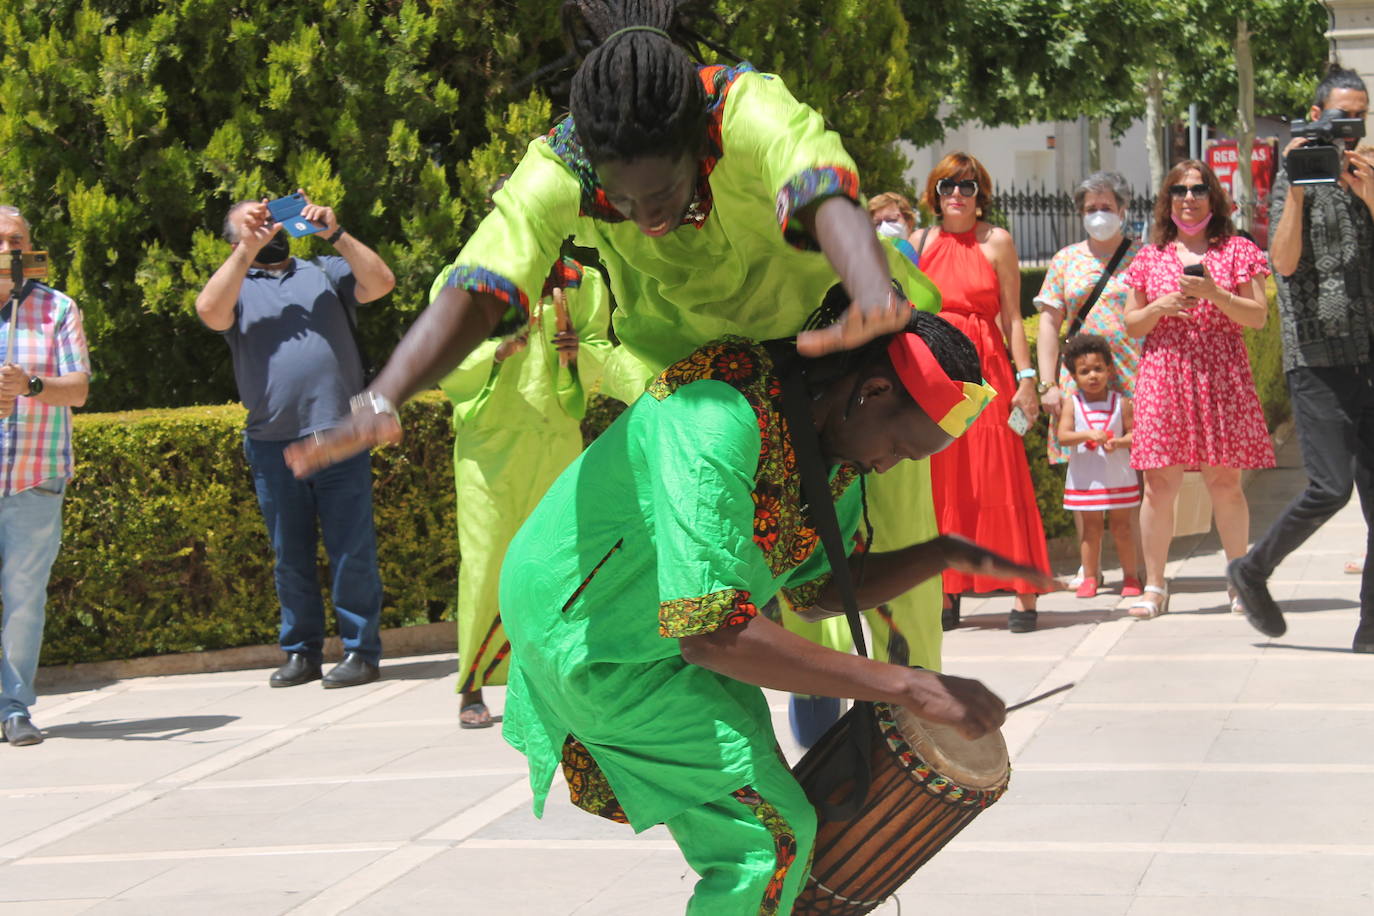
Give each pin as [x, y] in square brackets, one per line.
[1082, 315]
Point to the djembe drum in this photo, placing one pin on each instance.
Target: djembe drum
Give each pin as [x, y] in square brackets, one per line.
[927, 783]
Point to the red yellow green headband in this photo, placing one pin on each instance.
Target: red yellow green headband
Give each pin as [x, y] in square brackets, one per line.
[953, 405]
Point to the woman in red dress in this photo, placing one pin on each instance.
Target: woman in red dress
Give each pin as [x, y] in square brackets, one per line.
[1195, 401]
[982, 483]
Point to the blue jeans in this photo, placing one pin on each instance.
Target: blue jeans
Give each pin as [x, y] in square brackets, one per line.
[30, 533]
[340, 498]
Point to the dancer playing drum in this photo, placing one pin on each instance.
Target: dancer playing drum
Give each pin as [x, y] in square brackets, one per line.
[630, 598]
[718, 205]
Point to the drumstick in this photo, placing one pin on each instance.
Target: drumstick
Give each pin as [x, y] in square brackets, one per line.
[1036, 699]
[560, 311]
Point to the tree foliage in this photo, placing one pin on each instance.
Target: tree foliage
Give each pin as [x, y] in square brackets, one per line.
[128, 127]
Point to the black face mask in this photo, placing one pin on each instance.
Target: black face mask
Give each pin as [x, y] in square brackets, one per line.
[275, 251]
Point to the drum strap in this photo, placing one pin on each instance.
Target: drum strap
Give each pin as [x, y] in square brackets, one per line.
[819, 504]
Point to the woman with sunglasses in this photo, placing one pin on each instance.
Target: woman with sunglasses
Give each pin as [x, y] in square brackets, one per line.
[1195, 406]
[982, 483]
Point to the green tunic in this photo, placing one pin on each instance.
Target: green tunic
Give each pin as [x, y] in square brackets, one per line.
[740, 264]
[517, 426]
[683, 517]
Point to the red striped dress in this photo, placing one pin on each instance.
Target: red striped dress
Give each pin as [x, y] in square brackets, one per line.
[1099, 479]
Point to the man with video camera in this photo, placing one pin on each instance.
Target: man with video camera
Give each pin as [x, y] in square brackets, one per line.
[48, 374]
[1322, 249]
[290, 326]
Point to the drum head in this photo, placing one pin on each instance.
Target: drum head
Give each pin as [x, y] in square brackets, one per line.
[980, 764]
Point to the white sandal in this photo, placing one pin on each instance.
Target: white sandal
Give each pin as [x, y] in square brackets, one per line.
[1237, 606]
[1145, 609]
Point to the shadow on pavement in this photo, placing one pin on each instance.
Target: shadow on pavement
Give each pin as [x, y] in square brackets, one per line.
[1044, 620]
[1346, 650]
[418, 671]
[139, 729]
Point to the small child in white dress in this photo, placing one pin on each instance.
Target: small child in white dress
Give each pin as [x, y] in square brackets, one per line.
[1097, 430]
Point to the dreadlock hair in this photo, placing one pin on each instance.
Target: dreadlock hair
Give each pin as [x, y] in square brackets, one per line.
[1081, 345]
[636, 94]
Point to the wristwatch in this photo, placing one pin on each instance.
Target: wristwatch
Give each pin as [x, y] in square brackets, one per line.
[1042, 387]
[1026, 373]
[35, 386]
[335, 235]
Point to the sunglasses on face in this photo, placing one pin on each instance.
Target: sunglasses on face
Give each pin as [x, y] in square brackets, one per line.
[945, 187]
[1180, 191]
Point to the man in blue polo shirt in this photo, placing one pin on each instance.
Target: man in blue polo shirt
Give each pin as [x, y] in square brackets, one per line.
[289, 324]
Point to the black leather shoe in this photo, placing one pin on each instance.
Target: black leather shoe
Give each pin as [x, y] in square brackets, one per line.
[352, 671]
[1363, 646]
[298, 670]
[1253, 591]
[1021, 621]
[20, 731]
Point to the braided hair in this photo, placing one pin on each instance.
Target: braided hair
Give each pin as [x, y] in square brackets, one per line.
[950, 346]
[636, 94]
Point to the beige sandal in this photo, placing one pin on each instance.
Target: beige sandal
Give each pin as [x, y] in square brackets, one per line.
[1145, 609]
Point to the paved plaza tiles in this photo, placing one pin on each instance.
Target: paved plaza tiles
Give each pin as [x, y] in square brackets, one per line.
[1196, 768]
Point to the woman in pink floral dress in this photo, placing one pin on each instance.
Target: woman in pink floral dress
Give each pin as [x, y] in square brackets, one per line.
[1195, 406]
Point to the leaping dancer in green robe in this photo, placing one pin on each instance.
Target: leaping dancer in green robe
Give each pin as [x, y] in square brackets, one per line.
[719, 204]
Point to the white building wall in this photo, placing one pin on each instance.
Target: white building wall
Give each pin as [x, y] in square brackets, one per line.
[1018, 156]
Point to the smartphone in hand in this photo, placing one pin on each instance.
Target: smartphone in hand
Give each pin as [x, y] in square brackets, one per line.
[1018, 422]
[287, 211]
[1194, 270]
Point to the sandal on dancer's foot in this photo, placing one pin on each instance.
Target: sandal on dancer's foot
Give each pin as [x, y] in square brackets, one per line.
[1130, 587]
[475, 715]
[1354, 567]
[1146, 609]
[1087, 588]
[1237, 606]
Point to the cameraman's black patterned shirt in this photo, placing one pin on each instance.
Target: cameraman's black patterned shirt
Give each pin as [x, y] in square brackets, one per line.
[1326, 308]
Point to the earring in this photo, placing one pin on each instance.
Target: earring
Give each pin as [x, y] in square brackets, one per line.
[861, 400]
[978, 212]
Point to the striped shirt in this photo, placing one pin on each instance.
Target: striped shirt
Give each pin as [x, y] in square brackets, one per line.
[36, 440]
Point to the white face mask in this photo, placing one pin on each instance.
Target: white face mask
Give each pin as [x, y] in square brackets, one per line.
[891, 229]
[1102, 224]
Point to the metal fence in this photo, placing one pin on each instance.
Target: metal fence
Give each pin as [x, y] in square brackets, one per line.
[1042, 222]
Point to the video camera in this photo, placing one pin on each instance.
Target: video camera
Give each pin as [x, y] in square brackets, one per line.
[1321, 159]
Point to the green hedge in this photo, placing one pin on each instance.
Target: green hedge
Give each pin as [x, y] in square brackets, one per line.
[1266, 362]
[164, 549]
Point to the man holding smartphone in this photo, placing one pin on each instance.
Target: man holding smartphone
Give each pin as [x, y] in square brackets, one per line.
[1322, 249]
[289, 323]
[49, 376]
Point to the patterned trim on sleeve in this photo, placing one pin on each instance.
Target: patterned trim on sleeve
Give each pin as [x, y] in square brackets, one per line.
[728, 607]
[805, 188]
[481, 280]
[566, 274]
[803, 597]
[784, 844]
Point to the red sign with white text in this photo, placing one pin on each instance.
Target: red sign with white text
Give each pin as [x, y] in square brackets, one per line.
[1223, 158]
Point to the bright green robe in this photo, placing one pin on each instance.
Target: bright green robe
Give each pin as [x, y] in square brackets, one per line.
[517, 426]
[683, 517]
[740, 264]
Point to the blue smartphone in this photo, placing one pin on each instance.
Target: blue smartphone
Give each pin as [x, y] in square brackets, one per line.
[287, 211]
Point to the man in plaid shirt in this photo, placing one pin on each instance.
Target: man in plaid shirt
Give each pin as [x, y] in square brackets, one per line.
[49, 376]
